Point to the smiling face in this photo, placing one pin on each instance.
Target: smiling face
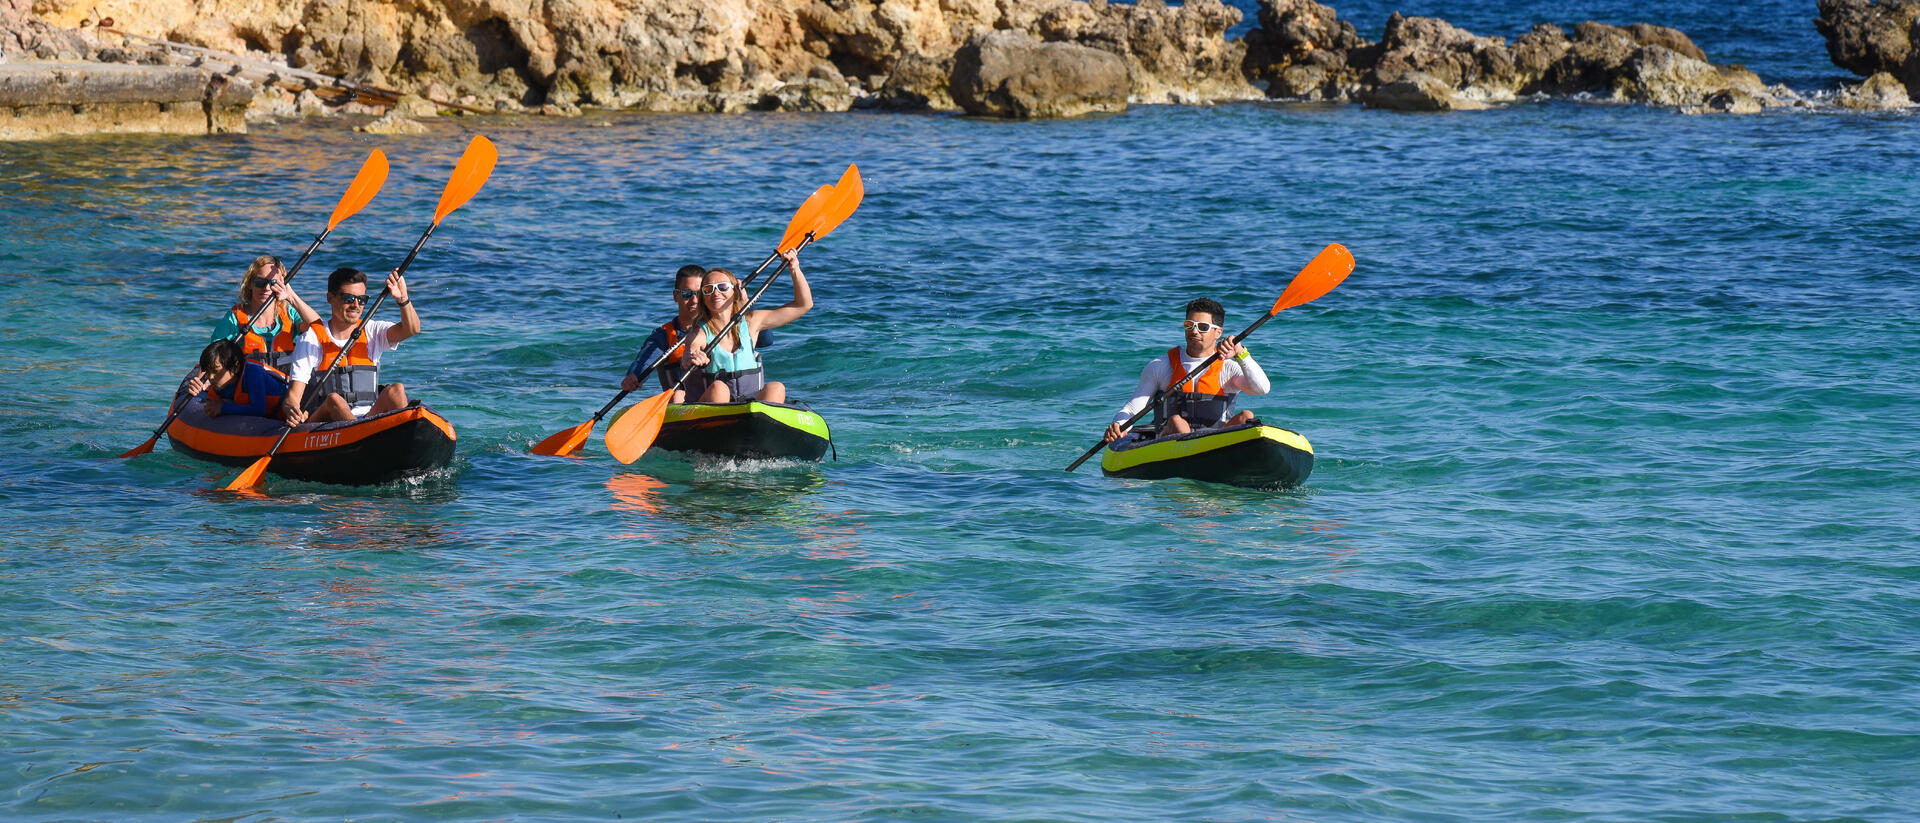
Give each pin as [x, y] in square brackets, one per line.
[719, 291]
[348, 302]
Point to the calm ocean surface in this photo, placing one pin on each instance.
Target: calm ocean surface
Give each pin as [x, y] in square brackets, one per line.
[1614, 515]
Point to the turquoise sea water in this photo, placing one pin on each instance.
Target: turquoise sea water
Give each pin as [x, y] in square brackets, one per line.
[1612, 520]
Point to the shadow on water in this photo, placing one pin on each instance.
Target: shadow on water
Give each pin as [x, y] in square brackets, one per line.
[733, 504]
[1196, 499]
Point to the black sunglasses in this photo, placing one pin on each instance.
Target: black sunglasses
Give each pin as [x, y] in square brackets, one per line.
[358, 299]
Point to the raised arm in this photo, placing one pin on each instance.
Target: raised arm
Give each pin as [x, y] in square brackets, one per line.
[307, 316]
[409, 324]
[763, 319]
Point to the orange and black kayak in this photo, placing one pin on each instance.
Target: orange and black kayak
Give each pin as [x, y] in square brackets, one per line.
[373, 449]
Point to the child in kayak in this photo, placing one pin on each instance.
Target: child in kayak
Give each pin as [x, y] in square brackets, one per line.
[1205, 401]
[236, 385]
[734, 368]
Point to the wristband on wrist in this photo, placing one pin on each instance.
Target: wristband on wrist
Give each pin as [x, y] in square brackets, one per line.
[1244, 354]
[405, 303]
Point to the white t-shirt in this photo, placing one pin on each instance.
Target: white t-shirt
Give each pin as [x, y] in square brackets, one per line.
[306, 352]
[1244, 376]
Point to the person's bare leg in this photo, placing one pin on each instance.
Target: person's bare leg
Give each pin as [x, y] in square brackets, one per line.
[333, 408]
[1245, 416]
[773, 393]
[394, 396]
[717, 392]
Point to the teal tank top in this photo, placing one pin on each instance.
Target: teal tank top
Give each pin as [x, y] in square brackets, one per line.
[742, 358]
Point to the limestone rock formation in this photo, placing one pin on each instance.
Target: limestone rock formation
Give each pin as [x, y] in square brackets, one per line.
[1299, 51]
[1417, 91]
[40, 99]
[1009, 74]
[917, 81]
[393, 122]
[1879, 92]
[1869, 38]
[1303, 51]
[1441, 51]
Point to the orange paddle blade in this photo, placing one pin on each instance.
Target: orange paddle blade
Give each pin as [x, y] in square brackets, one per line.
[251, 477]
[806, 219]
[143, 448]
[1322, 273]
[632, 434]
[475, 166]
[846, 198]
[366, 184]
[566, 442]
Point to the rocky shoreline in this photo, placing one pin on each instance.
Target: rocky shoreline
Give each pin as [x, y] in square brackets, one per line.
[999, 58]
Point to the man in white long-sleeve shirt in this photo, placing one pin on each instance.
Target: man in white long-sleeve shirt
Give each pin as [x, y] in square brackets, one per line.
[1207, 399]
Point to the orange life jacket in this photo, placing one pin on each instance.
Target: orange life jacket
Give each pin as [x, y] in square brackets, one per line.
[279, 351]
[357, 377]
[672, 329]
[1204, 402]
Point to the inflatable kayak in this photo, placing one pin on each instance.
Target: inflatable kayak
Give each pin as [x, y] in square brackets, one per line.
[370, 450]
[745, 429]
[1252, 454]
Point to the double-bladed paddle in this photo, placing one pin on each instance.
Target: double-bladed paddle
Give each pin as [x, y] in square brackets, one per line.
[630, 436]
[805, 218]
[366, 184]
[475, 165]
[1325, 271]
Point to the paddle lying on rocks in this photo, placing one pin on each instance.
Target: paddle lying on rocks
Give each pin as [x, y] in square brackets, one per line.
[567, 442]
[366, 184]
[475, 165]
[1322, 273]
[630, 436]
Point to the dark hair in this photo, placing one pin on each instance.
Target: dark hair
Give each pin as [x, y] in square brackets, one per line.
[689, 270]
[342, 277]
[224, 353]
[1210, 306]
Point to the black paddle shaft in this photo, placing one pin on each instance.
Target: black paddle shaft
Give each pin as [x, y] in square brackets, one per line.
[1196, 372]
[675, 347]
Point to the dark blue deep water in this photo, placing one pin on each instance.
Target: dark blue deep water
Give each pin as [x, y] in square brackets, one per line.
[1613, 517]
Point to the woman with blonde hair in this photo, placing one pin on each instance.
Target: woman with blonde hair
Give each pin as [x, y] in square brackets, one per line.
[267, 339]
[734, 368]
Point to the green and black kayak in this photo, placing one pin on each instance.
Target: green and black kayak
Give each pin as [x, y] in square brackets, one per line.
[1251, 454]
[745, 429]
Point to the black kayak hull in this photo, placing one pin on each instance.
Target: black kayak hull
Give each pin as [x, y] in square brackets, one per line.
[1253, 455]
[368, 451]
[750, 429]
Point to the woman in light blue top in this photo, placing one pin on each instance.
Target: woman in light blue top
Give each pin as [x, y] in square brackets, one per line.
[734, 367]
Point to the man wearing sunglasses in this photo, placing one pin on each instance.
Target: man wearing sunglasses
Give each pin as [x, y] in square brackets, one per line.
[1206, 400]
[686, 295]
[353, 387]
